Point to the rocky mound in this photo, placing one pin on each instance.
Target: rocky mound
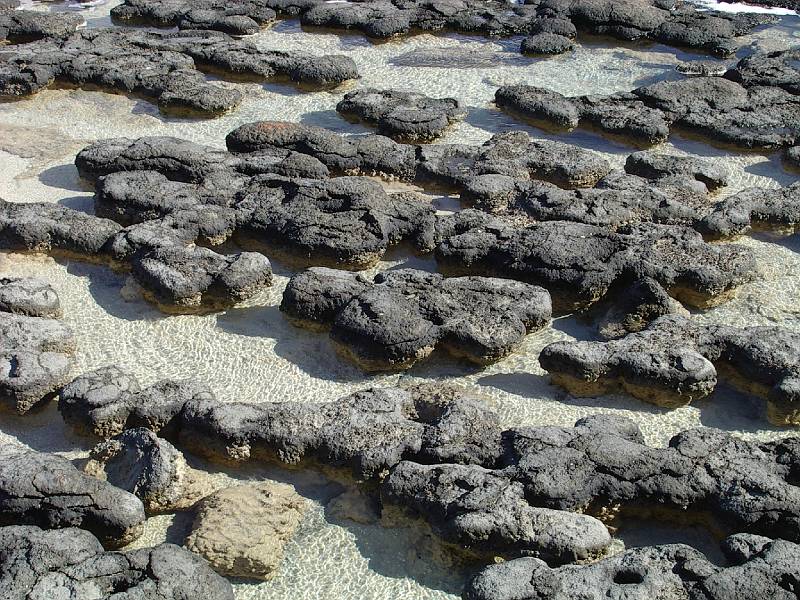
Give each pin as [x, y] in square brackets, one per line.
[23, 26]
[578, 264]
[403, 315]
[402, 116]
[72, 563]
[48, 491]
[161, 66]
[755, 105]
[675, 361]
[759, 567]
[36, 351]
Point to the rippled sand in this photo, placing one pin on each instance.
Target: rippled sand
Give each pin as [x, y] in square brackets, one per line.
[251, 353]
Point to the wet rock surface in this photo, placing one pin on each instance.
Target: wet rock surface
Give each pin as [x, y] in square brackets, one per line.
[674, 570]
[241, 531]
[72, 563]
[46, 490]
[546, 44]
[675, 361]
[755, 105]
[667, 22]
[400, 115]
[403, 315]
[36, 351]
[161, 66]
[579, 263]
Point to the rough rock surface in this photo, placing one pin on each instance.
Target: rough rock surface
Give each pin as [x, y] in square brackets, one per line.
[36, 352]
[30, 297]
[774, 209]
[675, 361]
[665, 21]
[670, 571]
[241, 531]
[545, 43]
[161, 66]
[635, 307]
[402, 116]
[403, 315]
[48, 491]
[793, 156]
[578, 263]
[756, 105]
[702, 68]
[21, 26]
[150, 468]
[71, 563]
[107, 401]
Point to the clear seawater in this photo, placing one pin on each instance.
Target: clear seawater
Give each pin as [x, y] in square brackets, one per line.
[251, 353]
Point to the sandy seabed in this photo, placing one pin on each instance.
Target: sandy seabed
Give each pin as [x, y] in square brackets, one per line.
[251, 353]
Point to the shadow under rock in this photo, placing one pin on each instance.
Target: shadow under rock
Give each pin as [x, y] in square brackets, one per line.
[43, 430]
[64, 177]
[84, 204]
[649, 532]
[333, 121]
[773, 168]
[730, 410]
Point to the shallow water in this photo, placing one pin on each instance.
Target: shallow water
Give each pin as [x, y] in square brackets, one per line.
[251, 353]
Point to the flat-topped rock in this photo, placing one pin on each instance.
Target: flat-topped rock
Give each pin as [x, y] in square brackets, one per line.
[546, 44]
[579, 263]
[675, 361]
[22, 26]
[30, 297]
[403, 116]
[777, 210]
[673, 570]
[48, 491]
[403, 315]
[242, 531]
[666, 166]
[244, 18]
[71, 562]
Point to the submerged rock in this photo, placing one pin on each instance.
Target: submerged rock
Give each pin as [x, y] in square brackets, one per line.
[402, 316]
[675, 361]
[756, 105]
[48, 491]
[36, 352]
[403, 116]
[578, 263]
[72, 563]
[673, 570]
[702, 68]
[241, 531]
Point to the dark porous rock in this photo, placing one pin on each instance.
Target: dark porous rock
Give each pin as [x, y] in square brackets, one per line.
[48, 491]
[759, 208]
[162, 66]
[755, 105]
[71, 563]
[546, 44]
[636, 306]
[793, 156]
[665, 166]
[403, 116]
[675, 361]
[578, 263]
[370, 155]
[107, 401]
[36, 352]
[669, 571]
[46, 227]
[702, 68]
[366, 432]
[140, 462]
[197, 278]
[404, 315]
[514, 154]
[22, 26]
[30, 297]
[481, 509]
[347, 222]
[242, 18]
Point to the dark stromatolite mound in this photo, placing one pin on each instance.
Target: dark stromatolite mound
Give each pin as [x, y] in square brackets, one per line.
[545, 44]
[71, 563]
[241, 18]
[670, 571]
[30, 297]
[161, 66]
[22, 26]
[403, 116]
[793, 156]
[756, 105]
[675, 361]
[764, 208]
[634, 307]
[48, 491]
[579, 263]
[36, 351]
[666, 166]
[108, 401]
[402, 316]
